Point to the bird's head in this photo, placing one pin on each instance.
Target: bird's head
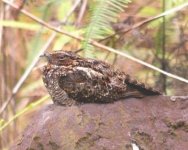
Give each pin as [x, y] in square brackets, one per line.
[61, 58]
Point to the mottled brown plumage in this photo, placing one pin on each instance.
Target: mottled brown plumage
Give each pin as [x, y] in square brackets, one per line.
[71, 79]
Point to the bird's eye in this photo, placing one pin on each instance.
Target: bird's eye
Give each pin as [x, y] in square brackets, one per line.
[60, 58]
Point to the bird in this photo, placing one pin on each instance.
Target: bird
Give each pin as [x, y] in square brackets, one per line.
[72, 80]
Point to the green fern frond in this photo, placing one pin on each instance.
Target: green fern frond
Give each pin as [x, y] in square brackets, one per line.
[103, 13]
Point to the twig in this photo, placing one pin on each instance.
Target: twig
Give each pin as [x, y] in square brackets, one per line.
[71, 11]
[81, 13]
[178, 8]
[32, 105]
[140, 61]
[20, 82]
[2, 14]
[163, 62]
[43, 22]
[27, 72]
[106, 47]
[35, 60]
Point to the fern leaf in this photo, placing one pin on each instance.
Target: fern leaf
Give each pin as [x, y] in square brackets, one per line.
[104, 13]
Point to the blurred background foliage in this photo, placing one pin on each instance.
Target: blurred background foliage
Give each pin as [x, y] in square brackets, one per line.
[162, 42]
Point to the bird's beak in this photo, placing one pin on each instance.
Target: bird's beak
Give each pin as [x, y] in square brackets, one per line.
[45, 59]
[46, 55]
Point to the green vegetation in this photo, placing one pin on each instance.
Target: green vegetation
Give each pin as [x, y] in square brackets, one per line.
[145, 30]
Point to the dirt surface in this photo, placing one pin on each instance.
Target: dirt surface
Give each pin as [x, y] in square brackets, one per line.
[151, 123]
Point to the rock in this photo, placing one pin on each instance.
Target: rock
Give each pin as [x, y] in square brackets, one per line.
[150, 123]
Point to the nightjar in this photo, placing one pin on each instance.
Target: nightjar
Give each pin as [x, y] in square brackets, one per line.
[71, 79]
